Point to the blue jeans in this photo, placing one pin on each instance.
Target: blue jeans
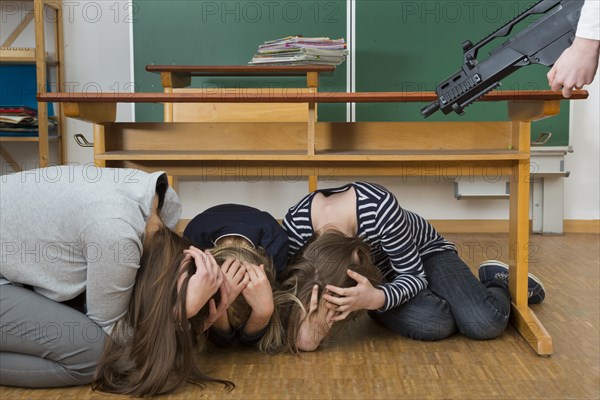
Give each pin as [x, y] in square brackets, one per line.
[44, 343]
[454, 300]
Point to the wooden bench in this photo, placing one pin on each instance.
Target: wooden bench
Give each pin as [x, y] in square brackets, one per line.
[322, 149]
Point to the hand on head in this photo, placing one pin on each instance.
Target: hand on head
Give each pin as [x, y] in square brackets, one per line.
[316, 323]
[216, 311]
[338, 303]
[363, 296]
[236, 277]
[258, 294]
[249, 280]
[203, 284]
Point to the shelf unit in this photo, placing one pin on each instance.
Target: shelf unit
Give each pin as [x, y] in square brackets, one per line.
[39, 57]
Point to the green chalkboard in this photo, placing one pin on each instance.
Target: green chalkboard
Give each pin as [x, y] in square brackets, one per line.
[413, 45]
[228, 33]
[400, 46]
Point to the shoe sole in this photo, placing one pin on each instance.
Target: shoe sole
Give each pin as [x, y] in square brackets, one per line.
[530, 275]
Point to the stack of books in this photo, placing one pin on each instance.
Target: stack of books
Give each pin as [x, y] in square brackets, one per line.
[299, 50]
[20, 121]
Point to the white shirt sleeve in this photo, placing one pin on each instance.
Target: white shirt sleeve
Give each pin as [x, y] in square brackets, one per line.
[589, 21]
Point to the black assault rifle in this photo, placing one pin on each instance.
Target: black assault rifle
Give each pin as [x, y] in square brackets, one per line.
[540, 43]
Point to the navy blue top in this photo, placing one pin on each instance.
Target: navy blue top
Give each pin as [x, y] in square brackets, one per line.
[256, 226]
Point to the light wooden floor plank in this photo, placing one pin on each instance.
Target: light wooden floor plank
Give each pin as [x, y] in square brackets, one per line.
[368, 362]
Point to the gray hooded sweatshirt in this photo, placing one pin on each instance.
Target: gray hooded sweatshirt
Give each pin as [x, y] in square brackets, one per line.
[69, 229]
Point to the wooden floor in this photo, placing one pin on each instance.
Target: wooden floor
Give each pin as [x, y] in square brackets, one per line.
[368, 362]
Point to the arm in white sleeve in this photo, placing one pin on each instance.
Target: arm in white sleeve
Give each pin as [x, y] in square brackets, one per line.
[589, 21]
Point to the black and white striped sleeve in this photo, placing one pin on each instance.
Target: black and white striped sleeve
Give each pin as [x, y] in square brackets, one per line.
[398, 243]
[297, 225]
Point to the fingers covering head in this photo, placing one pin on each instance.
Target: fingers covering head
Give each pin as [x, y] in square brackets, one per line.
[323, 261]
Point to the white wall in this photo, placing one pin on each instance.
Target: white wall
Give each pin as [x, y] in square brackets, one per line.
[98, 54]
[98, 57]
[582, 193]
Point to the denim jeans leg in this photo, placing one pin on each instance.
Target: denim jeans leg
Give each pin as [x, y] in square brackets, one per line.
[479, 312]
[424, 317]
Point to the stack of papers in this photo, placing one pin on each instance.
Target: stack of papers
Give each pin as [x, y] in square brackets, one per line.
[299, 50]
[20, 120]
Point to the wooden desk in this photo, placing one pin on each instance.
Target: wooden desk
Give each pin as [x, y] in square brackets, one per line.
[329, 148]
[176, 78]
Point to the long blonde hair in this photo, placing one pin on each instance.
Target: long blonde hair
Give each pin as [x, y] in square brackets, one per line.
[151, 352]
[323, 261]
[274, 339]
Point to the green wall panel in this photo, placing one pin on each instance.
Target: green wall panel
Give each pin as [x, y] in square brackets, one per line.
[400, 46]
[413, 45]
[228, 33]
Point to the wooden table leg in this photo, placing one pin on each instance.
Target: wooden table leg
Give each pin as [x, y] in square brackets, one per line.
[523, 318]
[99, 145]
[312, 81]
[169, 81]
[312, 117]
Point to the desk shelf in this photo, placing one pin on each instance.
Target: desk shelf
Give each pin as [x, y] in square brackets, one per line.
[321, 156]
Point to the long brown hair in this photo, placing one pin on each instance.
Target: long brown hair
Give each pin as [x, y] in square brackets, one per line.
[323, 261]
[274, 340]
[151, 351]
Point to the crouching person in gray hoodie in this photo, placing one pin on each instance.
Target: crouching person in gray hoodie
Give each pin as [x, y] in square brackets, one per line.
[96, 287]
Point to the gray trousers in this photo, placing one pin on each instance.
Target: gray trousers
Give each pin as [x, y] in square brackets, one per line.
[44, 343]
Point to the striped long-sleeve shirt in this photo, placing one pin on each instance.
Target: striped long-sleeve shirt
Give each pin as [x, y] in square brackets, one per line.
[398, 238]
